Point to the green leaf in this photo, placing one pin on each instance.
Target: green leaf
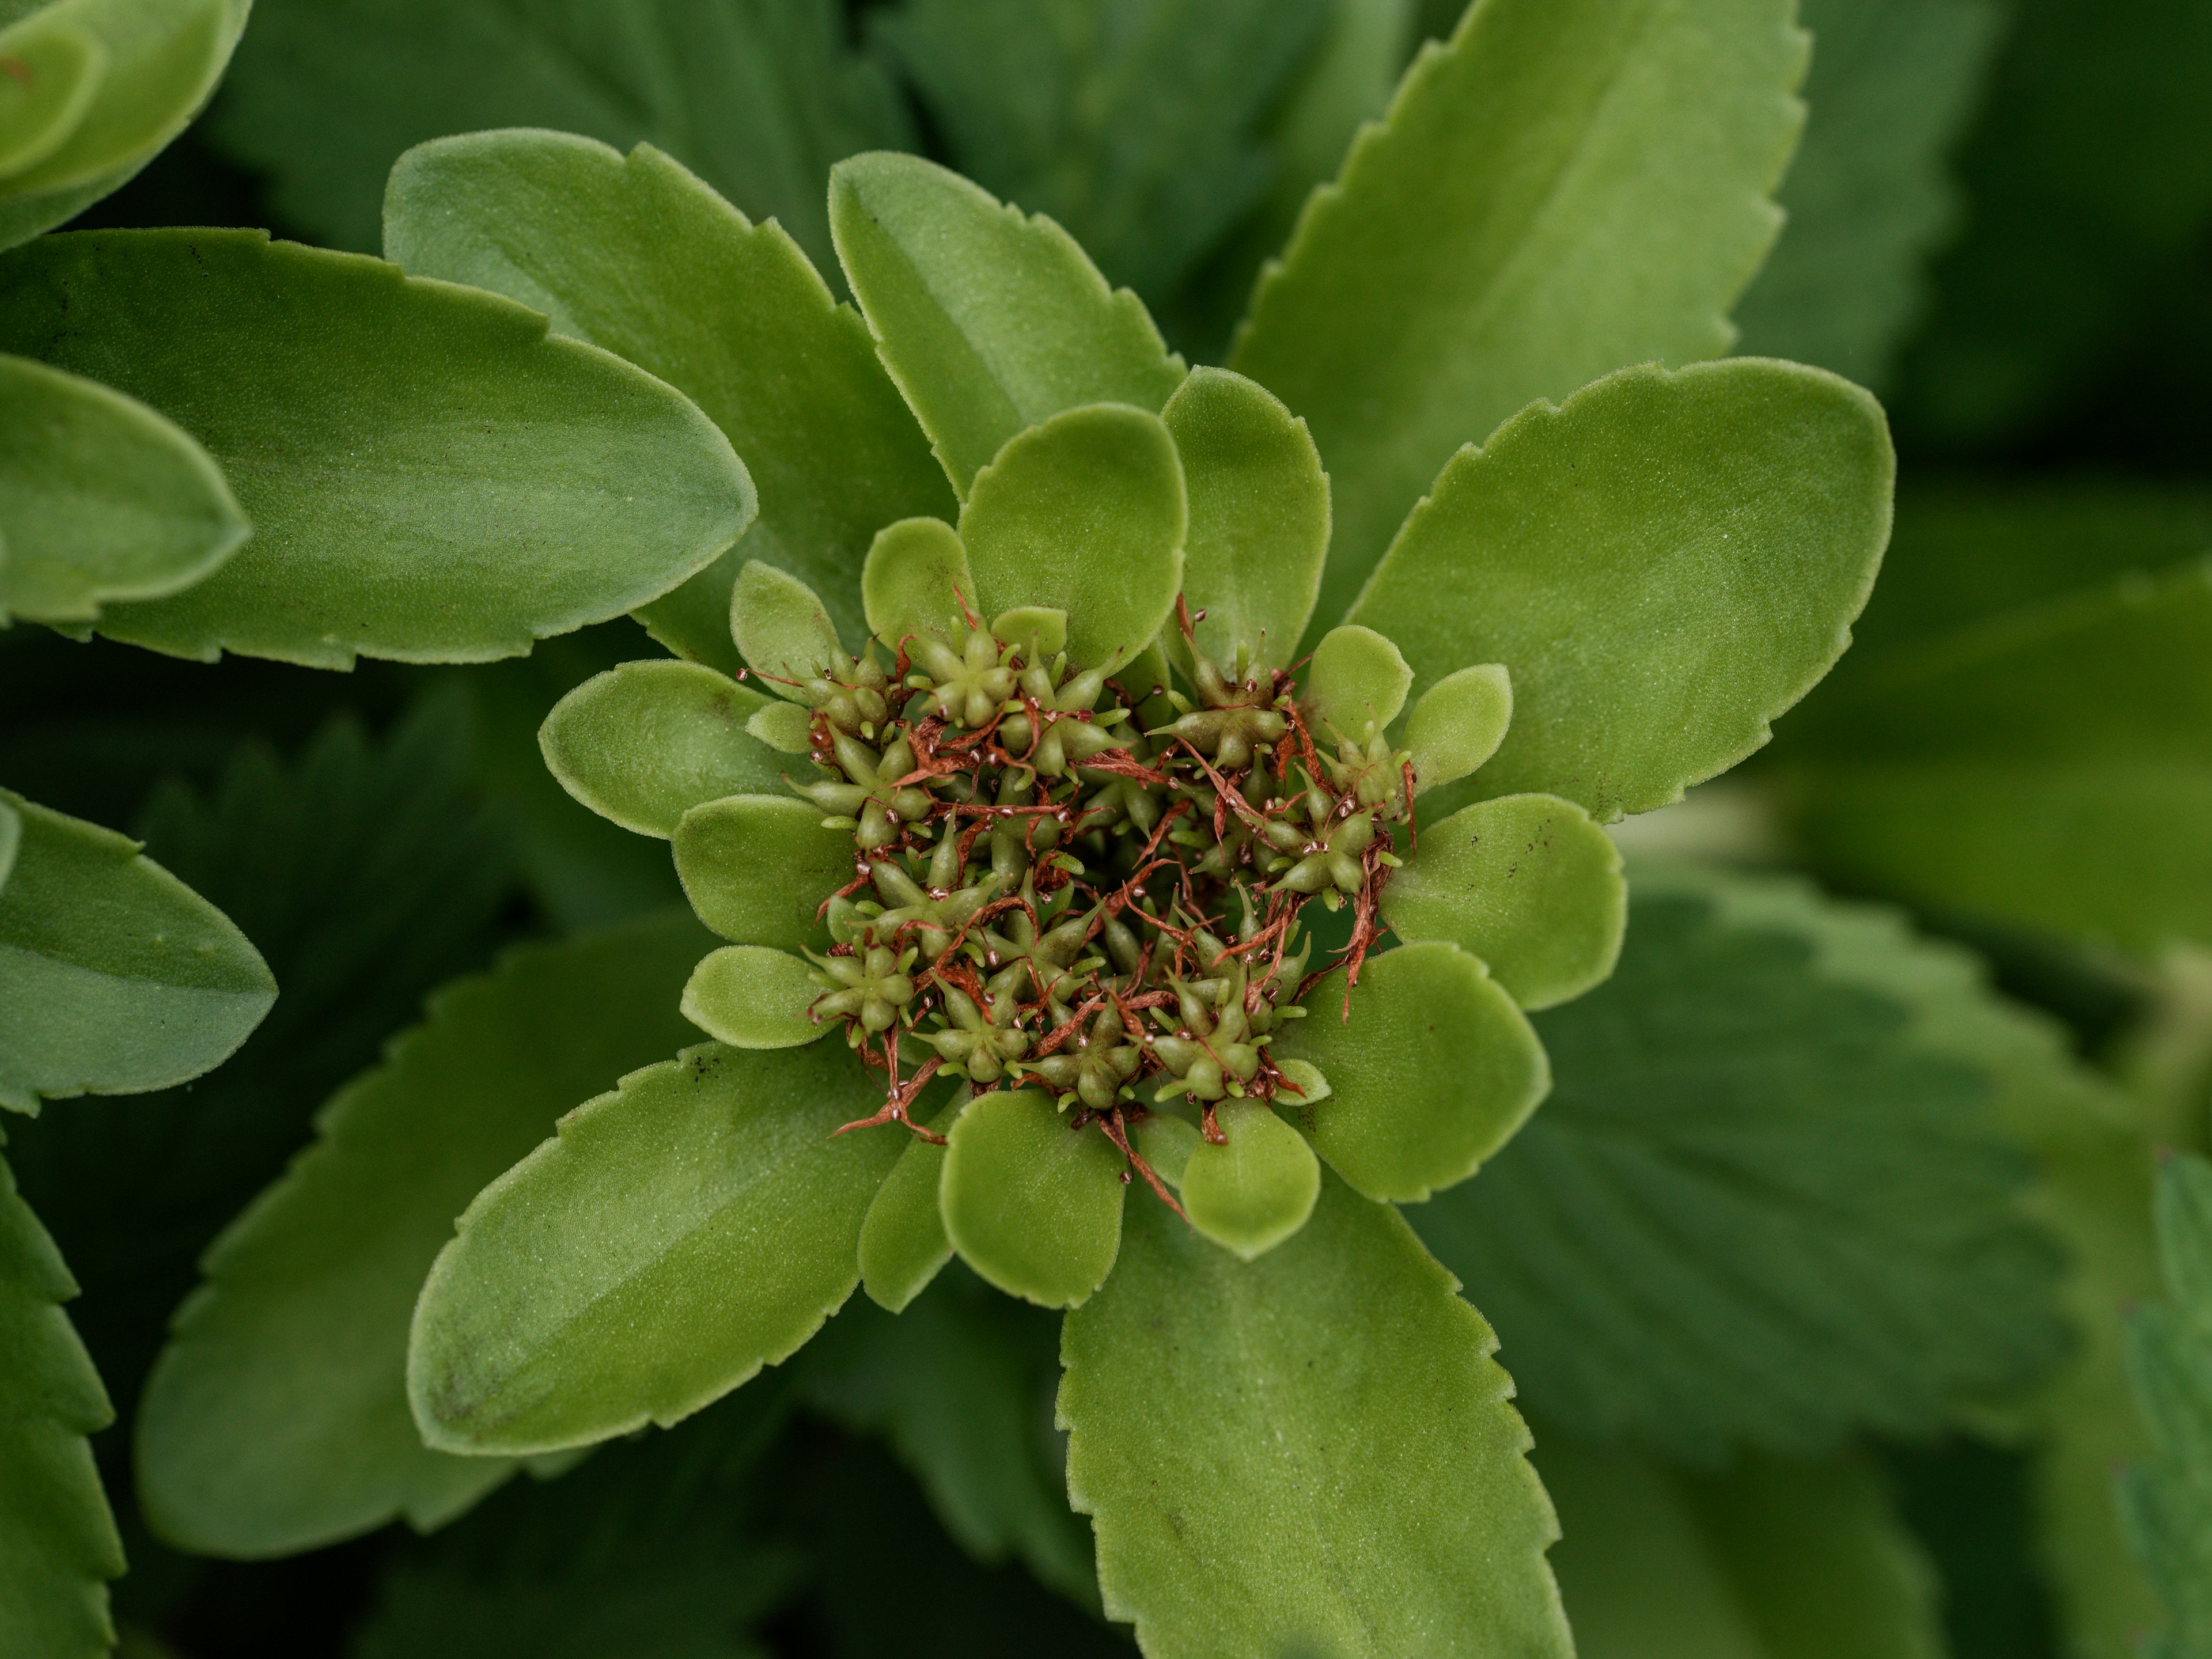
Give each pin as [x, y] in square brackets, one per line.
[277, 1418]
[904, 1245]
[100, 499]
[1561, 190]
[1432, 1072]
[782, 629]
[429, 477]
[152, 64]
[1031, 1203]
[988, 321]
[757, 100]
[115, 977]
[916, 580]
[646, 742]
[2050, 765]
[1144, 133]
[635, 254]
[1357, 682]
[1260, 1484]
[1257, 1187]
[1772, 1560]
[57, 1541]
[1529, 884]
[58, 69]
[1664, 563]
[960, 1384]
[1768, 1202]
[1458, 725]
[753, 998]
[757, 869]
[682, 1231]
[11, 838]
[2169, 1503]
[1084, 513]
[1259, 516]
[1870, 195]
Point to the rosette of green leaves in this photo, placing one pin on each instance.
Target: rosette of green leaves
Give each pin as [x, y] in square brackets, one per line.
[1607, 600]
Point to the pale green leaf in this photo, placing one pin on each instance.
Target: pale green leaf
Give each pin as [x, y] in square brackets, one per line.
[1259, 516]
[1663, 563]
[1458, 724]
[960, 1384]
[635, 254]
[58, 1546]
[644, 742]
[1085, 514]
[1166, 1142]
[56, 68]
[1357, 682]
[786, 727]
[757, 97]
[751, 997]
[682, 1231]
[1868, 198]
[429, 477]
[1529, 884]
[100, 499]
[1768, 1202]
[1031, 1202]
[1562, 189]
[915, 580]
[158, 61]
[1260, 1483]
[1255, 1189]
[1038, 631]
[758, 868]
[782, 630]
[902, 1241]
[115, 977]
[1432, 1072]
[1772, 1560]
[276, 1419]
[989, 321]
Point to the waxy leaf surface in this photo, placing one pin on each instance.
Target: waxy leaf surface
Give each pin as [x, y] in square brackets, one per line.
[1030, 1203]
[1434, 1071]
[58, 1546]
[1561, 190]
[115, 977]
[989, 320]
[429, 477]
[1529, 884]
[644, 742]
[276, 1419]
[1258, 1485]
[100, 499]
[682, 1231]
[757, 867]
[1084, 514]
[1663, 564]
[635, 254]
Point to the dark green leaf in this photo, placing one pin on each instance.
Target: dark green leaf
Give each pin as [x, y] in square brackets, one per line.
[430, 477]
[1260, 1483]
[1767, 1202]
[276, 1419]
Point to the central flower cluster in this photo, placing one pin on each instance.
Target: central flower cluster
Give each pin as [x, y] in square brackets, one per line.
[1049, 893]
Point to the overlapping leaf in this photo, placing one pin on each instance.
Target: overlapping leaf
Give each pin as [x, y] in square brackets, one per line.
[1767, 1203]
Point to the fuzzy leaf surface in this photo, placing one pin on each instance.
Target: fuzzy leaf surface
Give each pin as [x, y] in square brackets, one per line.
[276, 1419]
[915, 580]
[1254, 1189]
[429, 477]
[100, 499]
[757, 867]
[1768, 1202]
[1558, 191]
[644, 742]
[751, 997]
[115, 977]
[681, 1232]
[757, 97]
[58, 1546]
[1085, 512]
[989, 320]
[635, 254]
[1257, 1485]
[1663, 564]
